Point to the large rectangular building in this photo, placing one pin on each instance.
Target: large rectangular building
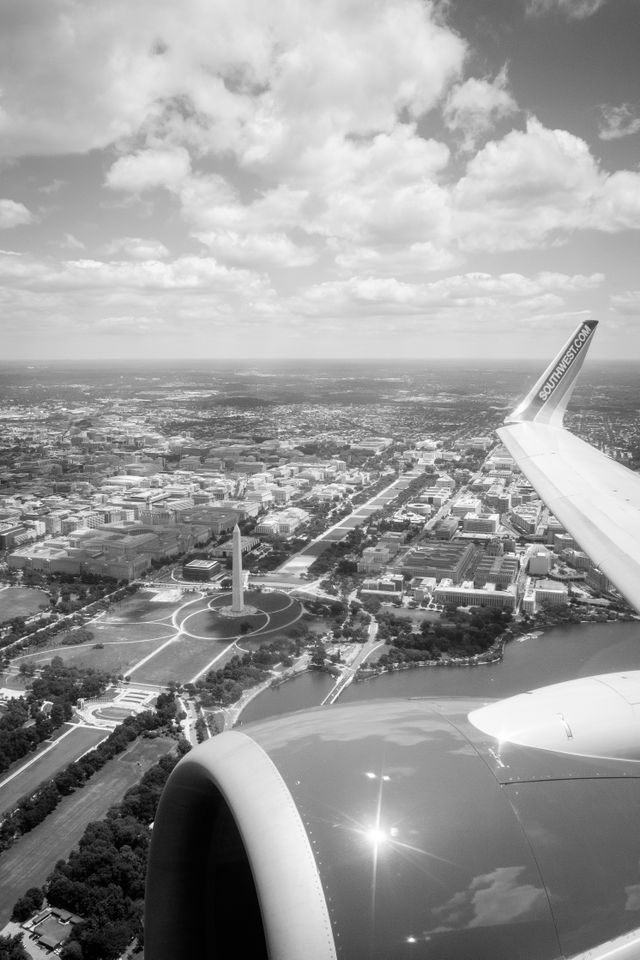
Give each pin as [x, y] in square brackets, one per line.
[466, 595]
[200, 569]
[439, 560]
[501, 570]
[481, 523]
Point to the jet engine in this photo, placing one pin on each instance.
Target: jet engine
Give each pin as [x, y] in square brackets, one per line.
[406, 829]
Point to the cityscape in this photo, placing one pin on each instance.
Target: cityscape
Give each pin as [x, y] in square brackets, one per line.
[319, 552]
[175, 552]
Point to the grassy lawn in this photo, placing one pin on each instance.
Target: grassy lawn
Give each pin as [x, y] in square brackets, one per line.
[32, 858]
[269, 601]
[180, 661]
[123, 645]
[46, 765]
[209, 624]
[21, 602]
[139, 608]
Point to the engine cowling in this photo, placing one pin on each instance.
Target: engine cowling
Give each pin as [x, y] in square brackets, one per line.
[394, 829]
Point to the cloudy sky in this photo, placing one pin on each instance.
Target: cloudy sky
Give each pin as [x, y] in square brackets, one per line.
[318, 178]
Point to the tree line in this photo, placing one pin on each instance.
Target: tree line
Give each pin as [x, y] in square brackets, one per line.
[23, 637]
[32, 810]
[220, 688]
[466, 635]
[103, 879]
[24, 723]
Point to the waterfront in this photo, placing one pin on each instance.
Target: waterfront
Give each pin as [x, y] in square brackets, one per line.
[558, 654]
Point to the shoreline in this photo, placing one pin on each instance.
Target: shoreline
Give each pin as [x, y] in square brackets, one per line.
[494, 654]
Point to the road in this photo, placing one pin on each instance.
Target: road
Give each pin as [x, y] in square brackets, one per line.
[300, 562]
[350, 669]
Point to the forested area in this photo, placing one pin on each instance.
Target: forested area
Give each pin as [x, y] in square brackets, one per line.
[462, 635]
[11, 948]
[220, 688]
[24, 723]
[103, 879]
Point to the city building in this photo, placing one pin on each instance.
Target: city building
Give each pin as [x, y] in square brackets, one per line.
[218, 519]
[393, 584]
[501, 569]
[373, 445]
[447, 528]
[226, 549]
[440, 560]
[526, 517]
[200, 569]
[282, 523]
[374, 559]
[466, 595]
[539, 563]
[481, 523]
[435, 496]
[422, 588]
[466, 505]
[550, 592]
[528, 603]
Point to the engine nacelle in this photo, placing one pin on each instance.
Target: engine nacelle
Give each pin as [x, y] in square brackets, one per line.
[395, 829]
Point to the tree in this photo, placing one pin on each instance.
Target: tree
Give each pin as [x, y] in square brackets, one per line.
[71, 951]
[318, 656]
[28, 904]
[11, 948]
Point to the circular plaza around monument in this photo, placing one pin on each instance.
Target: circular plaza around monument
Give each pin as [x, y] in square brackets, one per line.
[264, 614]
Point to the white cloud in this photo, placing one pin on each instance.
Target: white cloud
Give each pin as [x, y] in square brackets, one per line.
[268, 248]
[380, 193]
[572, 9]
[459, 293]
[69, 242]
[394, 260]
[181, 300]
[138, 248]
[617, 122]
[384, 206]
[617, 204]
[210, 203]
[627, 303]
[538, 186]
[13, 214]
[183, 274]
[253, 77]
[149, 169]
[292, 135]
[381, 190]
[475, 106]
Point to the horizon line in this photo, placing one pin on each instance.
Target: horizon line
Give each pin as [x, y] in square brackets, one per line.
[104, 361]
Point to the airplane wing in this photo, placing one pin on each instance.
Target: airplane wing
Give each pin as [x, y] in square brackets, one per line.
[596, 499]
[406, 829]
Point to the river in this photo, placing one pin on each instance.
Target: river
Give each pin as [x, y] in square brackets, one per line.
[561, 653]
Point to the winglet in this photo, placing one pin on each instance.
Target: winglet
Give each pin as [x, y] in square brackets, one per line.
[547, 400]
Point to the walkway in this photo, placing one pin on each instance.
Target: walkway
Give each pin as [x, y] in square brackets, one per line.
[349, 670]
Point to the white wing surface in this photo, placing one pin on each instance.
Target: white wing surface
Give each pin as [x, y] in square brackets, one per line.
[596, 499]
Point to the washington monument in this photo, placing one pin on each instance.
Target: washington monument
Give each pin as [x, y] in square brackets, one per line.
[237, 596]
